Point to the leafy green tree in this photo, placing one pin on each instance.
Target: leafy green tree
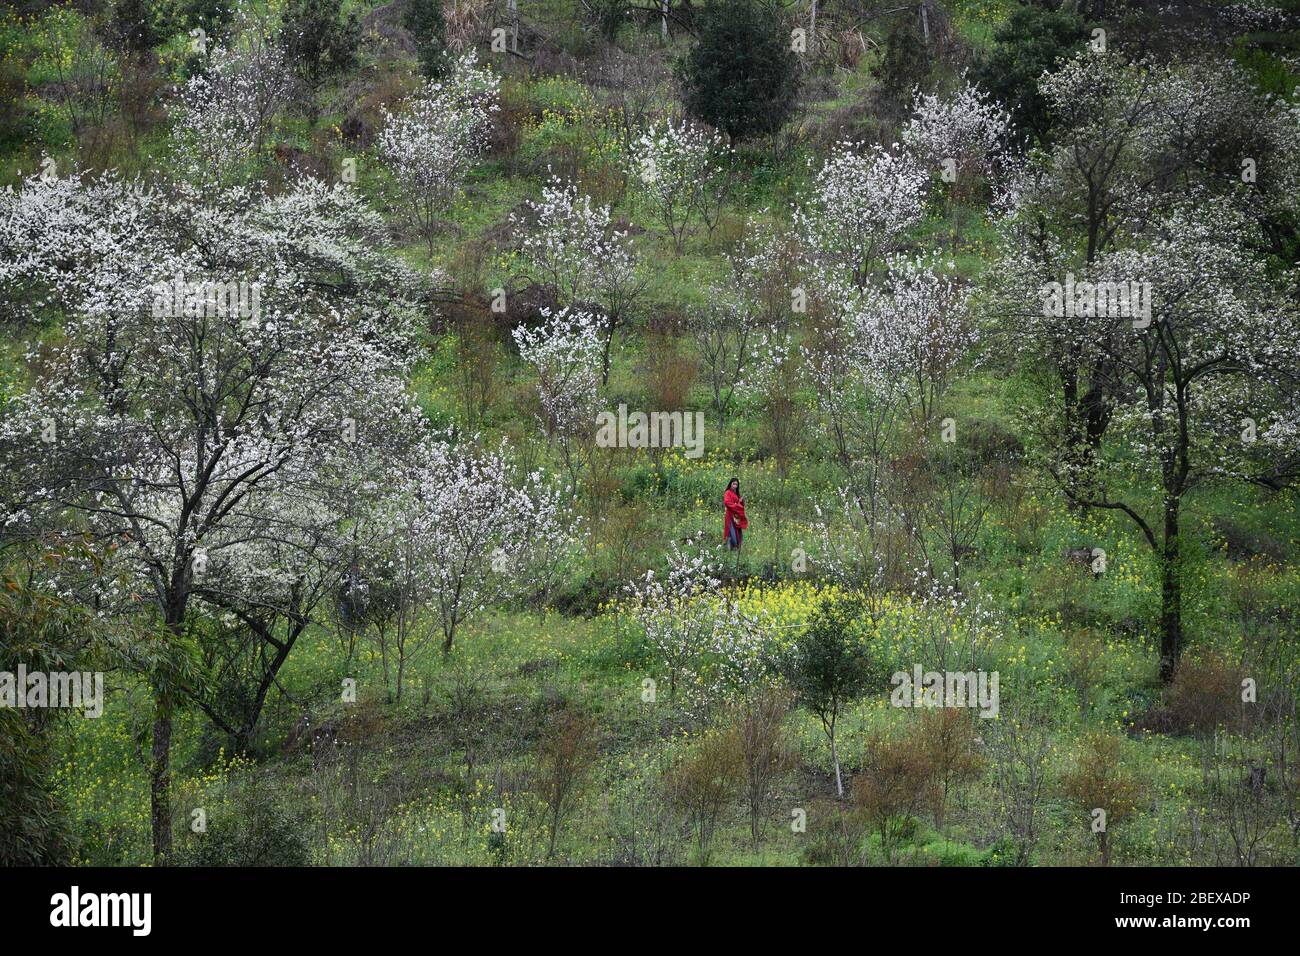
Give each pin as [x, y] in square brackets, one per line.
[904, 66]
[1029, 42]
[34, 631]
[741, 76]
[134, 25]
[827, 667]
[46, 634]
[425, 22]
[319, 42]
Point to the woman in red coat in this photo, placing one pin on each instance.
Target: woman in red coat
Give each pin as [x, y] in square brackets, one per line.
[735, 522]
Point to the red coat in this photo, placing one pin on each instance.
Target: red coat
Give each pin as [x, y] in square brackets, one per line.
[735, 506]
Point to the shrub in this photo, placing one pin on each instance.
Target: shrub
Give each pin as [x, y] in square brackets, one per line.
[952, 853]
[1099, 783]
[1030, 41]
[1017, 745]
[947, 740]
[134, 26]
[42, 634]
[740, 77]
[319, 42]
[1085, 655]
[833, 836]
[1204, 696]
[896, 781]
[564, 757]
[765, 752]
[669, 374]
[607, 16]
[252, 829]
[33, 821]
[704, 782]
[1241, 543]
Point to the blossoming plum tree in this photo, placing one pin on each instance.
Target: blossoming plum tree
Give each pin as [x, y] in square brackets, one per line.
[863, 202]
[448, 540]
[706, 642]
[968, 130]
[566, 353]
[185, 435]
[1129, 141]
[1105, 205]
[431, 144]
[577, 251]
[1214, 364]
[225, 114]
[684, 171]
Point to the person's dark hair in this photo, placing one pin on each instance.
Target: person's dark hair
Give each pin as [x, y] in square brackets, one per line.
[736, 482]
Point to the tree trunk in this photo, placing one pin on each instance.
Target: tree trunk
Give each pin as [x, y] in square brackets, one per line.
[160, 805]
[605, 357]
[1171, 596]
[244, 738]
[835, 759]
[160, 782]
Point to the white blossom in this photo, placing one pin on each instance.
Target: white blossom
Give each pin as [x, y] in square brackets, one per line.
[565, 351]
[225, 112]
[862, 205]
[969, 129]
[433, 141]
[683, 171]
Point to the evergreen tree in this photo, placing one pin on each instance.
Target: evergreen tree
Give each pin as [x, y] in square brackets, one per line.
[424, 20]
[741, 76]
[319, 42]
[1027, 44]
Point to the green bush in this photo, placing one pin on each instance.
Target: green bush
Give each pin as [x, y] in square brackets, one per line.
[425, 22]
[953, 853]
[251, 829]
[741, 77]
[1030, 41]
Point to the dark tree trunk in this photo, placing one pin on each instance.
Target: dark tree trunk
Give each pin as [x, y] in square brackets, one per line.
[1171, 596]
[605, 356]
[160, 807]
[244, 738]
[160, 781]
